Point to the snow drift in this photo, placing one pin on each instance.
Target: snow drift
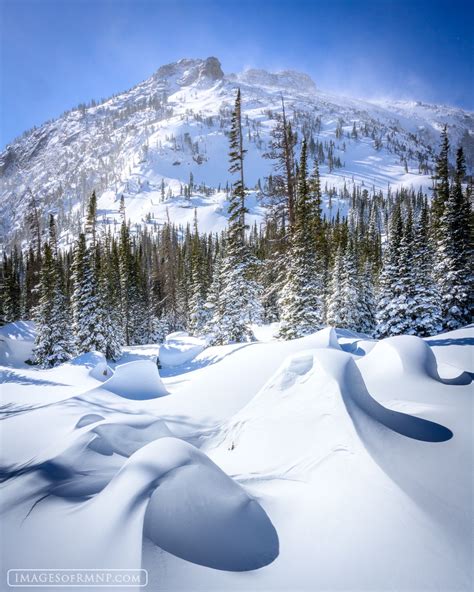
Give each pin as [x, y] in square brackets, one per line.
[138, 380]
[180, 348]
[309, 457]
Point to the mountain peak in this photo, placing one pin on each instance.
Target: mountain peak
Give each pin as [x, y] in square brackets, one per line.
[187, 71]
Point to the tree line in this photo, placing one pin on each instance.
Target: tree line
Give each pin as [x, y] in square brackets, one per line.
[399, 264]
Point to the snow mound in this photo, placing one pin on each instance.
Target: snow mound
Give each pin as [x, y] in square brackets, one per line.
[316, 405]
[295, 368]
[326, 337]
[405, 355]
[96, 363]
[199, 513]
[357, 398]
[455, 348]
[138, 380]
[125, 439]
[180, 348]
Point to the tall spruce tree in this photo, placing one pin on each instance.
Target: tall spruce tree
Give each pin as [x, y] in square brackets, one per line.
[301, 299]
[232, 313]
[454, 254]
[86, 305]
[11, 296]
[441, 183]
[198, 312]
[53, 341]
[426, 310]
[390, 285]
[282, 188]
[109, 293]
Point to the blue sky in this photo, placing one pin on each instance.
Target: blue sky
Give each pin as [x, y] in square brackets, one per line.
[58, 53]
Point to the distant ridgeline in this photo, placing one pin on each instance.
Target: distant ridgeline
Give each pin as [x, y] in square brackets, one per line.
[396, 264]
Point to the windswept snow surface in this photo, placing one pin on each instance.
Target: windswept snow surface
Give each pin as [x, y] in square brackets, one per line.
[332, 462]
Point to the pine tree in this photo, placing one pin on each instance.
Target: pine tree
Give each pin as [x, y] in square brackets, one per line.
[86, 305]
[11, 289]
[390, 286]
[441, 183]
[109, 293]
[214, 293]
[283, 182]
[335, 297]
[426, 309]
[273, 270]
[350, 300]
[53, 342]
[301, 298]
[367, 304]
[453, 254]
[91, 219]
[126, 288]
[198, 312]
[231, 315]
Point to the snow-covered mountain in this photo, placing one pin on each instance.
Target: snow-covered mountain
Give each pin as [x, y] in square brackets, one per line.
[146, 142]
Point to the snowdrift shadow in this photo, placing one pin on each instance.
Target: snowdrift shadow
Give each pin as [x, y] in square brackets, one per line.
[355, 396]
[453, 341]
[9, 376]
[198, 513]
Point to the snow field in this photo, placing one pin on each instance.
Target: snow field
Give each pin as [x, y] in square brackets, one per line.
[263, 466]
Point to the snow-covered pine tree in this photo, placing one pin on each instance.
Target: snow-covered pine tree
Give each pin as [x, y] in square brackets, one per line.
[231, 315]
[109, 290]
[198, 313]
[272, 269]
[53, 341]
[334, 296]
[425, 309]
[91, 220]
[441, 184]
[126, 279]
[32, 270]
[214, 292]
[454, 254]
[86, 306]
[11, 295]
[367, 304]
[301, 299]
[390, 317]
[349, 300]
[351, 304]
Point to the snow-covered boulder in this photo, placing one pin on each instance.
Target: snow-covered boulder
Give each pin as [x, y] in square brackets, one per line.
[405, 355]
[136, 380]
[180, 348]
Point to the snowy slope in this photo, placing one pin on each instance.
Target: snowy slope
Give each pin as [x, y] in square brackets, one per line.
[175, 123]
[264, 466]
